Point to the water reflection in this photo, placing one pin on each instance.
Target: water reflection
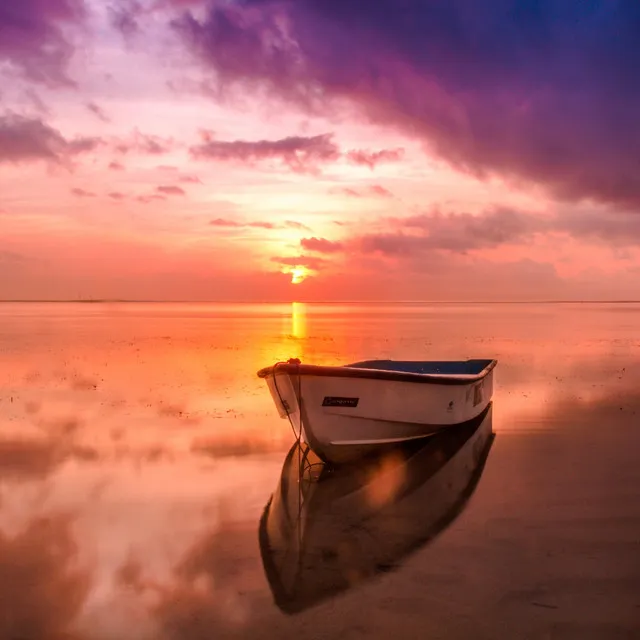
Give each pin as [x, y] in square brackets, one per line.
[325, 529]
[298, 320]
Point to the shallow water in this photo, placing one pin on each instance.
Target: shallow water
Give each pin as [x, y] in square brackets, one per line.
[138, 451]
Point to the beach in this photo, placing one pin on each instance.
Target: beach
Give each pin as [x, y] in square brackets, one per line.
[139, 450]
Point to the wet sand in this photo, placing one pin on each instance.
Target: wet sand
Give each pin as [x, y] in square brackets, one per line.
[138, 452]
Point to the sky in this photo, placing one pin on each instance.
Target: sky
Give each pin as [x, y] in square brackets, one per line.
[319, 150]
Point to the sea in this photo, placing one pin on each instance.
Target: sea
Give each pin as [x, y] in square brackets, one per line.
[149, 489]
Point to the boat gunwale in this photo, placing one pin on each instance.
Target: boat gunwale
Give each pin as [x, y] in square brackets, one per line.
[377, 374]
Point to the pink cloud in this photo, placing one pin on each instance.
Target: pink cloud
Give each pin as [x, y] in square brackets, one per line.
[377, 190]
[235, 224]
[292, 224]
[374, 190]
[144, 143]
[116, 195]
[150, 198]
[321, 245]
[82, 193]
[262, 225]
[116, 166]
[439, 232]
[460, 232]
[347, 191]
[190, 180]
[259, 224]
[299, 153]
[454, 233]
[27, 139]
[373, 158]
[171, 190]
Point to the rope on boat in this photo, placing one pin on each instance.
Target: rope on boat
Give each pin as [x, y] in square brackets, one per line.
[303, 462]
[296, 361]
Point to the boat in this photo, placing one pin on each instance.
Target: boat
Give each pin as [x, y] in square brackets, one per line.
[327, 529]
[344, 412]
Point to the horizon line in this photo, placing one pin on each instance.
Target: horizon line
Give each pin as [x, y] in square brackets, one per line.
[223, 301]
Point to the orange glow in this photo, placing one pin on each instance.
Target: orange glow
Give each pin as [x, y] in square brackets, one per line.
[298, 274]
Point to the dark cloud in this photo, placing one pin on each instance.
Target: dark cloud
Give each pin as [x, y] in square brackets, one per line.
[124, 17]
[116, 166]
[116, 195]
[83, 145]
[98, 112]
[29, 139]
[299, 153]
[460, 232]
[32, 37]
[615, 228]
[321, 245]
[171, 190]
[373, 158]
[437, 231]
[539, 90]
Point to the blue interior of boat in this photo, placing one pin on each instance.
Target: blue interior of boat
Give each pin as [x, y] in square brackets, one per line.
[445, 367]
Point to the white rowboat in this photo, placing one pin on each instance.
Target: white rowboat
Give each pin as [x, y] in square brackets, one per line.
[342, 412]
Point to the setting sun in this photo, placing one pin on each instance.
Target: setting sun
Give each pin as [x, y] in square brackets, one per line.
[298, 274]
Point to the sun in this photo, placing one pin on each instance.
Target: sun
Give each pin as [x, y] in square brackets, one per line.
[298, 274]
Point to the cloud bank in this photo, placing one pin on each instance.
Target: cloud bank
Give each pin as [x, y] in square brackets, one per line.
[539, 91]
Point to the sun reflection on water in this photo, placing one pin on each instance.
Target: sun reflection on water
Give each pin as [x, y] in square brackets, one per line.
[298, 320]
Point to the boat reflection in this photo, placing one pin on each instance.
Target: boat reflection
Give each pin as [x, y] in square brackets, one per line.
[326, 529]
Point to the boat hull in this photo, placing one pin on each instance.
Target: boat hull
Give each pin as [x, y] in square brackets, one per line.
[344, 417]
